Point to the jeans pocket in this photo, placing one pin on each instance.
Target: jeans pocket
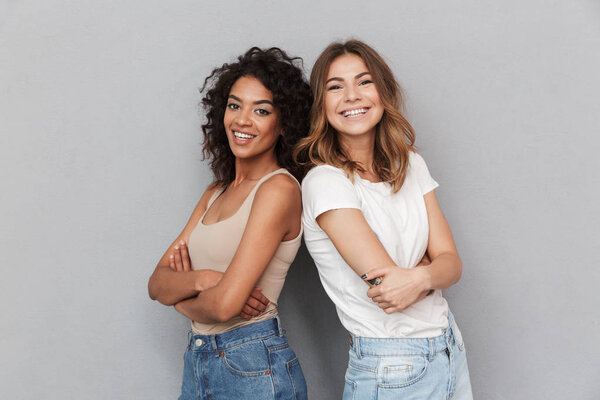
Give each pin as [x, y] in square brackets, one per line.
[400, 372]
[297, 379]
[349, 390]
[248, 359]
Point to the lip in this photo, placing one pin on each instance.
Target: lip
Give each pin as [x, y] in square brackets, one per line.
[357, 116]
[241, 141]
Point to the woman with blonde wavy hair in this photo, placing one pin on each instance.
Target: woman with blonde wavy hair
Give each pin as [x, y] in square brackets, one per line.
[370, 219]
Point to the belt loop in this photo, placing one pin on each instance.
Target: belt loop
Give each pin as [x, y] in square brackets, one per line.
[279, 328]
[213, 342]
[431, 349]
[451, 339]
[189, 339]
[357, 346]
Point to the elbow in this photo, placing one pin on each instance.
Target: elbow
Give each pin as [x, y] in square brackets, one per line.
[459, 269]
[152, 289]
[224, 311]
[156, 294]
[224, 314]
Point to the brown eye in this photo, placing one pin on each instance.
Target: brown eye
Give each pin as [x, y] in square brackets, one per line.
[262, 111]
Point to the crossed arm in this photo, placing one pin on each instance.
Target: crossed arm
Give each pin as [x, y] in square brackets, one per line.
[400, 287]
[205, 297]
[174, 280]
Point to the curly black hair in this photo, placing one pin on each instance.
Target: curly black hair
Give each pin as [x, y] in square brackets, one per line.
[292, 97]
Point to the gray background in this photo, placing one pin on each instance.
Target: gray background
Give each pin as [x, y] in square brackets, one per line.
[100, 168]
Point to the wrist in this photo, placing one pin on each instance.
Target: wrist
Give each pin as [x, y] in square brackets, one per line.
[199, 285]
[206, 279]
[424, 278]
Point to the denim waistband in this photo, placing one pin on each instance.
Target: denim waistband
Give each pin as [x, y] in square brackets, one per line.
[235, 337]
[366, 346]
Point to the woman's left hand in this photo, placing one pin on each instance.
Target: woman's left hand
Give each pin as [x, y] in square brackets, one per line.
[255, 304]
[399, 287]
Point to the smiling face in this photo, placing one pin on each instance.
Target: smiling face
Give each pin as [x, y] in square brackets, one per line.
[251, 120]
[352, 103]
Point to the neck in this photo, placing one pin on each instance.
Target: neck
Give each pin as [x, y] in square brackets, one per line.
[360, 149]
[253, 169]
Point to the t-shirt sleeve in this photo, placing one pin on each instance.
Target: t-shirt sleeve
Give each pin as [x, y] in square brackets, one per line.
[326, 188]
[426, 182]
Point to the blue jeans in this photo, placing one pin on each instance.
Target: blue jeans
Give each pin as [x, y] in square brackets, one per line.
[250, 362]
[430, 368]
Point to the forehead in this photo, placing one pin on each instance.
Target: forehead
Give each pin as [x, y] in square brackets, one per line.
[347, 65]
[251, 89]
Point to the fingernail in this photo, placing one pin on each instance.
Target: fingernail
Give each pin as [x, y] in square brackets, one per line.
[364, 276]
[182, 243]
[176, 247]
[171, 256]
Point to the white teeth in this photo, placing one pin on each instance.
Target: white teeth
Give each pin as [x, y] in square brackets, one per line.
[353, 113]
[241, 135]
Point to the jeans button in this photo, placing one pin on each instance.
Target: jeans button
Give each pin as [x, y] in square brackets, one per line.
[199, 342]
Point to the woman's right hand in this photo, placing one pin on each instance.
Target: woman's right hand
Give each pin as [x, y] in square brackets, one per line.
[179, 260]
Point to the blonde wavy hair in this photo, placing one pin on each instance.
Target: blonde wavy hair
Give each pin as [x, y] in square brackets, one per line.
[394, 137]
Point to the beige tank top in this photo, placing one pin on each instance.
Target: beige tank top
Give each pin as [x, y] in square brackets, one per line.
[213, 247]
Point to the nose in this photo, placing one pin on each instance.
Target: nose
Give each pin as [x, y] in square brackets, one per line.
[244, 117]
[351, 94]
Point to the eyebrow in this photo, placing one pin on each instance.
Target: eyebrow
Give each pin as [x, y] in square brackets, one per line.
[256, 102]
[335, 78]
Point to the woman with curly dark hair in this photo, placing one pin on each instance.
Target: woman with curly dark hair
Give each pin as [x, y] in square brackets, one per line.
[225, 271]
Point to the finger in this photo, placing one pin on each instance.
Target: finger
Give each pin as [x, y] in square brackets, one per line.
[375, 273]
[378, 299]
[374, 291]
[255, 304]
[252, 303]
[262, 305]
[258, 295]
[185, 257]
[391, 310]
[385, 305]
[172, 262]
[178, 263]
[249, 310]
[245, 316]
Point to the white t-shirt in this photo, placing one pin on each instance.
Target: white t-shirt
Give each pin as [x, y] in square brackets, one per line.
[400, 222]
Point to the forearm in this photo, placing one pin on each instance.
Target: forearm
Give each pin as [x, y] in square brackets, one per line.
[169, 287]
[201, 309]
[444, 271]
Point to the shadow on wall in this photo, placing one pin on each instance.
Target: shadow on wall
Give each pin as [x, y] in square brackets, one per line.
[313, 329]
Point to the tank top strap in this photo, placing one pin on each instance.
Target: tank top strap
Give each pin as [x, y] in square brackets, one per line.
[212, 199]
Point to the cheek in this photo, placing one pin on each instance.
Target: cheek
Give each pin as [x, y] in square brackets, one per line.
[270, 128]
[376, 99]
[330, 108]
[226, 118]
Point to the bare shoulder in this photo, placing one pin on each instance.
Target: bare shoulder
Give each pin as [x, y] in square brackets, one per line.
[277, 206]
[280, 193]
[281, 187]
